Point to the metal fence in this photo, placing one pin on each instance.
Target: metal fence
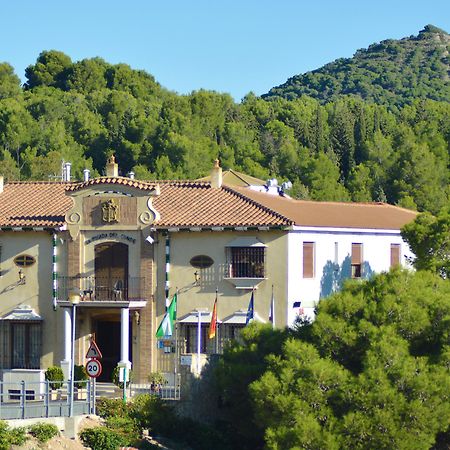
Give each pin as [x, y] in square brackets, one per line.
[26, 400]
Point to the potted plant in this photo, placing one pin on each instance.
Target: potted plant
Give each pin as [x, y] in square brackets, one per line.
[55, 376]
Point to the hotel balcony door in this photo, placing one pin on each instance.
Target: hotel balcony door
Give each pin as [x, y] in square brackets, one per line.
[111, 271]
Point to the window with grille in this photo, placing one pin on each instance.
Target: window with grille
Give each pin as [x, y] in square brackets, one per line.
[395, 255]
[20, 344]
[25, 345]
[308, 259]
[357, 260]
[191, 338]
[246, 262]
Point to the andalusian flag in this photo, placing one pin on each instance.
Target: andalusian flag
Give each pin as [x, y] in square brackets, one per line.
[166, 326]
[213, 323]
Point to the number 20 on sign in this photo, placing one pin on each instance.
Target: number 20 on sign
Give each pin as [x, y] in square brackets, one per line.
[93, 368]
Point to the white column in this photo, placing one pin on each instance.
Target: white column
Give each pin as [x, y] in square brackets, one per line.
[65, 363]
[125, 336]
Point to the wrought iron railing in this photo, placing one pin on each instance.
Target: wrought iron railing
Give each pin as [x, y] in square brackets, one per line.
[92, 288]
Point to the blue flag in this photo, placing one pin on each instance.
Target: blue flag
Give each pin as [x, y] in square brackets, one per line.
[250, 311]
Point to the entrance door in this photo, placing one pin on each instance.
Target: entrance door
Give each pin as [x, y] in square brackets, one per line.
[111, 271]
[107, 335]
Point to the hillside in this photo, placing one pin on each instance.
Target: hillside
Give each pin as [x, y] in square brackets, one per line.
[347, 149]
[392, 72]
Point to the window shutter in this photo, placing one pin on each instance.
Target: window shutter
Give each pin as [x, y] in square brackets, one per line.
[395, 255]
[308, 259]
[356, 253]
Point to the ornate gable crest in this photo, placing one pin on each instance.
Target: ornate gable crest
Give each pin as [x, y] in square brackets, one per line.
[110, 211]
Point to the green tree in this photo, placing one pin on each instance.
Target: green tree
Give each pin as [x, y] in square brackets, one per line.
[9, 82]
[49, 69]
[428, 238]
[371, 372]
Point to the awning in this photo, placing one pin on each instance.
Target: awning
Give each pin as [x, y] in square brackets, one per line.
[22, 312]
[245, 242]
[240, 318]
[192, 317]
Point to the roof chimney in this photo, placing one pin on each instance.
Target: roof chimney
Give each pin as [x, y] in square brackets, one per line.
[1, 184]
[66, 171]
[112, 168]
[86, 174]
[216, 175]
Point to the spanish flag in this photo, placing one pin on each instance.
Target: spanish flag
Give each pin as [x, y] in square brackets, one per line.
[213, 324]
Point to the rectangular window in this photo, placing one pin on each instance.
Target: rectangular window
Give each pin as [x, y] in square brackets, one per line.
[395, 255]
[308, 259]
[191, 338]
[357, 260]
[246, 262]
[25, 345]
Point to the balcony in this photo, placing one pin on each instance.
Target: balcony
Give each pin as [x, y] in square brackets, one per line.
[98, 290]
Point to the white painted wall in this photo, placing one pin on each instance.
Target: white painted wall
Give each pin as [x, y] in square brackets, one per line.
[376, 253]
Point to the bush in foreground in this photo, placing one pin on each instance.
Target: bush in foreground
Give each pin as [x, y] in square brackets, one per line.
[43, 432]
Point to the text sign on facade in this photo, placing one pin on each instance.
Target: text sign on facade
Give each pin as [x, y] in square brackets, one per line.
[93, 351]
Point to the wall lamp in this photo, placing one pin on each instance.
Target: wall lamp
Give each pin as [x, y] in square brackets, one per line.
[137, 317]
[22, 278]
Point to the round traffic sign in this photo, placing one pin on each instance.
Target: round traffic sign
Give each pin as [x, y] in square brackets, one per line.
[93, 368]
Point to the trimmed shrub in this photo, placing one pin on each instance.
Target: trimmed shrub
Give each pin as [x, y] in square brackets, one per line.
[55, 375]
[102, 438]
[43, 432]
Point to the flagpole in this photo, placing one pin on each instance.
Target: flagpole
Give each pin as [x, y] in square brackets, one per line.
[199, 340]
[217, 320]
[175, 367]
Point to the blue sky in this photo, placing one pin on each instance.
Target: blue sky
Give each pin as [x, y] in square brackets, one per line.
[227, 46]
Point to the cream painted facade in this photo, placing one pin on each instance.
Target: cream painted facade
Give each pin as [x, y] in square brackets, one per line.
[233, 294]
[19, 296]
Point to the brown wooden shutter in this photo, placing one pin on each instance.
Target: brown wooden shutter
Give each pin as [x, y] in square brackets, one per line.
[356, 253]
[395, 255]
[308, 259]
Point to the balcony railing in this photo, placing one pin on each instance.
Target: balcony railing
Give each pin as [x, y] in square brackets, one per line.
[102, 288]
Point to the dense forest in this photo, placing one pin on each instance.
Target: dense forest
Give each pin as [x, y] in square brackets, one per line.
[392, 72]
[346, 149]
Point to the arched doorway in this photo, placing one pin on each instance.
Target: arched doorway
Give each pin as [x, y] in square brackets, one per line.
[111, 271]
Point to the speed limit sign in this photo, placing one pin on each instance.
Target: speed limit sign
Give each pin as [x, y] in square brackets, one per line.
[93, 368]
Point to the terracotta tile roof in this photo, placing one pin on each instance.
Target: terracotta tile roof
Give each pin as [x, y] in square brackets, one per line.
[143, 185]
[196, 204]
[334, 214]
[33, 204]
